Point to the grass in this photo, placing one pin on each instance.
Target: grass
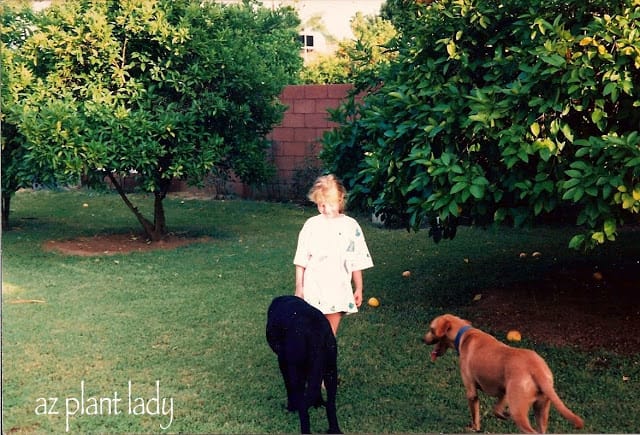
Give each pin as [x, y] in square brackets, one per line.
[190, 322]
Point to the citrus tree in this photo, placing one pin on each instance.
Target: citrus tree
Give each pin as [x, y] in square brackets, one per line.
[163, 89]
[500, 112]
[11, 141]
[15, 19]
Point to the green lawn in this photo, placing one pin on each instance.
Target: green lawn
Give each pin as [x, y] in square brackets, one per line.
[173, 341]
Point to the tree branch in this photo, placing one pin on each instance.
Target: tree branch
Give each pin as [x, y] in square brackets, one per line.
[146, 224]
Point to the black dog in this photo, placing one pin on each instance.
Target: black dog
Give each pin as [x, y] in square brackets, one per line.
[307, 354]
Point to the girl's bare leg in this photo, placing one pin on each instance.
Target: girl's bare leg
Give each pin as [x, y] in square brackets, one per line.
[334, 321]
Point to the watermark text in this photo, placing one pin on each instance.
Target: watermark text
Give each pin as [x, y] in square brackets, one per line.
[132, 402]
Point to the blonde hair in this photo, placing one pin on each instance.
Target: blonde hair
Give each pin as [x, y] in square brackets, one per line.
[328, 188]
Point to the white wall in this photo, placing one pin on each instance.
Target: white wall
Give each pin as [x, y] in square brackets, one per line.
[336, 14]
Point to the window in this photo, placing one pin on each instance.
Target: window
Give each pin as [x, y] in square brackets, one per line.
[306, 41]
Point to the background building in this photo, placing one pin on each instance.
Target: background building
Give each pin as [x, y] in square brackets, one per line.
[324, 22]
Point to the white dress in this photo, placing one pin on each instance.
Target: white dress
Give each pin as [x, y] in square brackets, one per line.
[330, 249]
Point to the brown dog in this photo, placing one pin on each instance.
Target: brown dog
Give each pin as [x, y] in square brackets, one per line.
[519, 378]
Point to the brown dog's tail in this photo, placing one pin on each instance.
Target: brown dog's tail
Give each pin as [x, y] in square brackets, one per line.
[577, 422]
[545, 383]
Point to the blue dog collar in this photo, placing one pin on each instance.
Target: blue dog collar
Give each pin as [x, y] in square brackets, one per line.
[459, 335]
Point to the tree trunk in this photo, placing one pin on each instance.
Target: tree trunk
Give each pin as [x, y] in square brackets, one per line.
[159, 220]
[154, 231]
[6, 209]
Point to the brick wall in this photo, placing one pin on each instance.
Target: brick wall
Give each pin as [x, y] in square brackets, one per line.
[296, 141]
[295, 145]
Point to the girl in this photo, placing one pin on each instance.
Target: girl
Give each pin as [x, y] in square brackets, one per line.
[331, 254]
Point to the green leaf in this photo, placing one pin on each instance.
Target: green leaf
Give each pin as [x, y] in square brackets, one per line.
[627, 201]
[581, 165]
[577, 241]
[610, 228]
[597, 115]
[453, 208]
[523, 155]
[578, 193]
[480, 181]
[573, 173]
[451, 49]
[566, 130]
[456, 169]
[535, 129]
[555, 60]
[609, 88]
[598, 237]
[477, 191]
[458, 187]
[446, 159]
[537, 207]
[582, 152]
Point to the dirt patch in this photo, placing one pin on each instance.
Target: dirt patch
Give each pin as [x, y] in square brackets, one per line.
[577, 307]
[112, 244]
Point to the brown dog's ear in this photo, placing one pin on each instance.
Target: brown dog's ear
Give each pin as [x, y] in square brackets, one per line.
[442, 328]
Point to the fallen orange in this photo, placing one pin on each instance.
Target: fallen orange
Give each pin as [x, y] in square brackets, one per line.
[514, 335]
